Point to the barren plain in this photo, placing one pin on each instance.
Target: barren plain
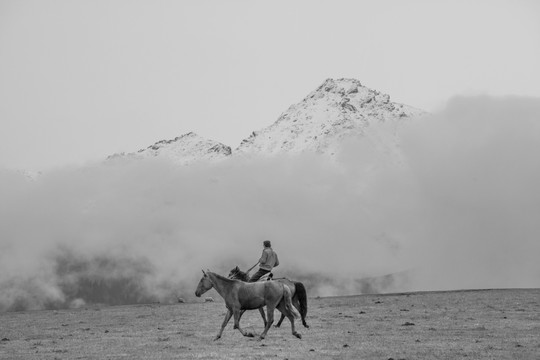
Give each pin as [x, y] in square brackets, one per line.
[468, 324]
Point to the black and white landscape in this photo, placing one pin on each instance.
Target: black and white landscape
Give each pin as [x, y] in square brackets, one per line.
[388, 150]
[359, 195]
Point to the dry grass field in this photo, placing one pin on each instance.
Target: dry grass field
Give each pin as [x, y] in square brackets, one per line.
[481, 324]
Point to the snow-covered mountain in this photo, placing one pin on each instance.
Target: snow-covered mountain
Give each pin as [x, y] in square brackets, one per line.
[336, 111]
[182, 150]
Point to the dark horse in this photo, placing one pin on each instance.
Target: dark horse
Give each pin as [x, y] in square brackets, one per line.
[298, 290]
[240, 296]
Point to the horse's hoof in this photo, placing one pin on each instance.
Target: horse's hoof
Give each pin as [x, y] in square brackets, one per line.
[306, 325]
[297, 335]
[276, 326]
[249, 335]
[217, 338]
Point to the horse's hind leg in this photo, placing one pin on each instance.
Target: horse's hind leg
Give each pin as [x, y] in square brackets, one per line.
[295, 303]
[291, 319]
[270, 320]
[280, 320]
[290, 316]
[261, 310]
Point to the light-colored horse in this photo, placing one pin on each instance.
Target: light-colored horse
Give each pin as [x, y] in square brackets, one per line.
[241, 296]
[298, 292]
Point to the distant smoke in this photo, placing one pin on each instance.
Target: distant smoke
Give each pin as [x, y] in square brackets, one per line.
[460, 211]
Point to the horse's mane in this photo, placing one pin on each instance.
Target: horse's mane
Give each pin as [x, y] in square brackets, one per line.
[221, 277]
[240, 275]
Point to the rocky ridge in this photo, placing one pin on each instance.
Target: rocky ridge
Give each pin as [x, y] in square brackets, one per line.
[338, 110]
[182, 150]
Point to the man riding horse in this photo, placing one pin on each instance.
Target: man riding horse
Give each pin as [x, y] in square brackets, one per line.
[267, 262]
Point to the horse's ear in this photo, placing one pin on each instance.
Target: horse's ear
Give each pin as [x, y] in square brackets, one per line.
[237, 268]
[203, 272]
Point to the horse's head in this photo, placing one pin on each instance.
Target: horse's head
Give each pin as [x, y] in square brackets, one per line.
[238, 274]
[233, 272]
[205, 284]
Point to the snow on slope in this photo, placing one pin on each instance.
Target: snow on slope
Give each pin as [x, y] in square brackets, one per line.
[336, 111]
[182, 150]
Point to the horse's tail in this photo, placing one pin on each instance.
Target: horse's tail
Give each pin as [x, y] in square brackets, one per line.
[287, 297]
[301, 294]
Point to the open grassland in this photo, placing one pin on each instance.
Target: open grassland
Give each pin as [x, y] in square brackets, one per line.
[481, 324]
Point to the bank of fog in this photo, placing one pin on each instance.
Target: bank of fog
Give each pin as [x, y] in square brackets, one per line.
[456, 211]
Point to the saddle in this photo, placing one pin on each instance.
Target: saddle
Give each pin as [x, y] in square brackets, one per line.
[266, 277]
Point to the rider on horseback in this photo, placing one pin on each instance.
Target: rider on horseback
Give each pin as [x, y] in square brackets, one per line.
[267, 262]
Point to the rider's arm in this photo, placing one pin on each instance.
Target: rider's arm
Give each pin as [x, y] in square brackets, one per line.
[263, 258]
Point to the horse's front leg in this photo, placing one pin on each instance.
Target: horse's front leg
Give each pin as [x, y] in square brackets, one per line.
[225, 321]
[261, 310]
[237, 315]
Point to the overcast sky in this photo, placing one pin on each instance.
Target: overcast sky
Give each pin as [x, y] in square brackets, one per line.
[80, 80]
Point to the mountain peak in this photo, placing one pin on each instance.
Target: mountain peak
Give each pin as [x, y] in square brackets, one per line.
[188, 137]
[348, 89]
[183, 150]
[336, 110]
[342, 86]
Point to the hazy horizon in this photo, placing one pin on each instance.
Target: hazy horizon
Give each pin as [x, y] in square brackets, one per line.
[82, 80]
[460, 213]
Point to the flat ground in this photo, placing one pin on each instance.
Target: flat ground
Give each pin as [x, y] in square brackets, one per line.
[482, 324]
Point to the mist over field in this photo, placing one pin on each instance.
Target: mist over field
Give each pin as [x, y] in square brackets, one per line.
[477, 170]
[460, 211]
